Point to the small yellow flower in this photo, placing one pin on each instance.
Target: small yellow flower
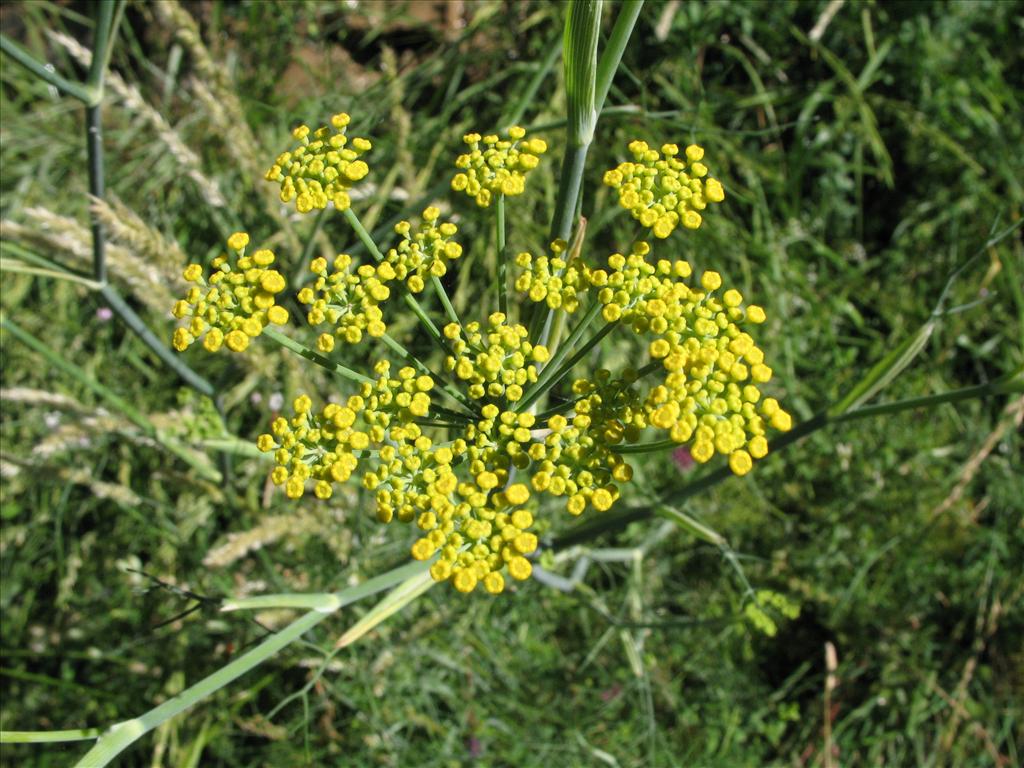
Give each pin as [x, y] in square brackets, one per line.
[322, 168]
[662, 191]
[499, 167]
[235, 304]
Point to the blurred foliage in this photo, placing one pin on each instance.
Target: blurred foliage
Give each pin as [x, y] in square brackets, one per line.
[864, 160]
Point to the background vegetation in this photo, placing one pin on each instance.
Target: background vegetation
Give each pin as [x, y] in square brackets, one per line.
[866, 156]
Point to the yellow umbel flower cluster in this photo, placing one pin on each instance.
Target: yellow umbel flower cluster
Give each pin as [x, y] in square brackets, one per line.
[495, 364]
[470, 476]
[552, 280]
[346, 299]
[714, 369]
[662, 191]
[321, 447]
[499, 168]
[321, 169]
[475, 526]
[423, 253]
[477, 530]
[235, 304]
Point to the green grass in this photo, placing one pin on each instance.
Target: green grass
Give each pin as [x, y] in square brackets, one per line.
[860, 172]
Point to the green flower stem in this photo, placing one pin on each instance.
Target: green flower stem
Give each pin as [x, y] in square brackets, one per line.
[569, 184]
[167, 356]
[558, 366]
[541, 385]
[501, 279]
[314, 356]
[48, 737]
[94, 150]
[120, 736]
[450, 414]
[446, 302]
[651, 447]
[651, 367]
[439, 424]
[568, 405]
[885, 370]
[1011, 383]
[83, 93]
[136, 417]
[694, 526]
[409, 299]
[569, 364]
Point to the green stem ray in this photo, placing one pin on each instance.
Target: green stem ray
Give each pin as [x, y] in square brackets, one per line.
[547, 375]
[78, 91]
[314, 356]
[501, 278]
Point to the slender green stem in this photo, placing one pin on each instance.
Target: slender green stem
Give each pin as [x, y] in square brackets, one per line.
[501, 278]
[161, 350]
[562, 407]
[450, 414]
[409, 299]
[94, 149]
[651, 447]
[48, 737]
[446, 302]
[611, 56]
[556, 367]
[569, 364]
[108, 17]
[314, 356]
[78, 91]
[997, 387]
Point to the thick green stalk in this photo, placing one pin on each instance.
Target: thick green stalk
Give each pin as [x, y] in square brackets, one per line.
[314, 356]
[108, 17]
[94, 150]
